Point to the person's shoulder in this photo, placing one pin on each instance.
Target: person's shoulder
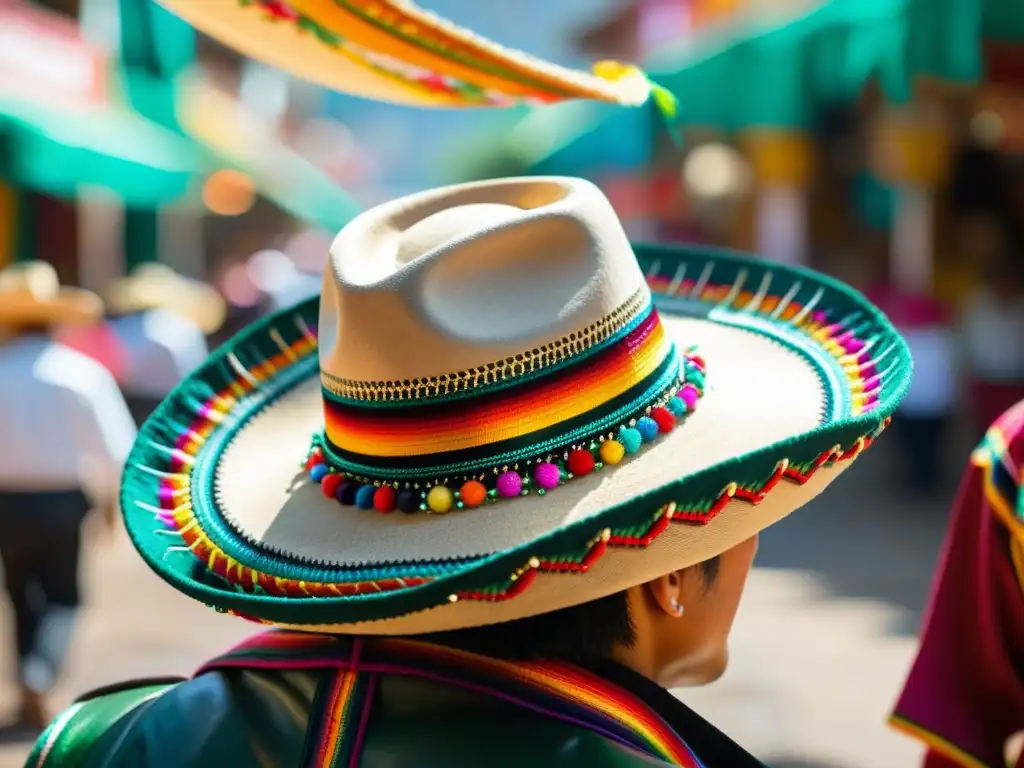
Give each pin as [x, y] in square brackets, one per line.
[1009, 442]
[191, 723]
[495, 741]
[73, 735]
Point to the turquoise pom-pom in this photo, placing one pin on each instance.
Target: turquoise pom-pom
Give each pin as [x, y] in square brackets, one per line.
[631, 439]
[648, 428]
[364, 497]
[317, 473]
[676, 407]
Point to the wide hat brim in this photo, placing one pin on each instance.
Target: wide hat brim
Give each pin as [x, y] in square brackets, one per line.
[396, 52]
[802, 375]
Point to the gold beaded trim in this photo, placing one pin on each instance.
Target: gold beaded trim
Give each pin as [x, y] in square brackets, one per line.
[530, 361]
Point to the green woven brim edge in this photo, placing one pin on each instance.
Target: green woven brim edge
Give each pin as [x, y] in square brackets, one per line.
[261, 341]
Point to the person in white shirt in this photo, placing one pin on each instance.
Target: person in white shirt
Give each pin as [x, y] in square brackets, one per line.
[161, 321]
[66, 433]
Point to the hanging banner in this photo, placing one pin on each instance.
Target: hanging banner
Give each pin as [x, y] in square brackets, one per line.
[43, 56]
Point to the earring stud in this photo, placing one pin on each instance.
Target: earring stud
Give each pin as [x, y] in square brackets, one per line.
[677, 608]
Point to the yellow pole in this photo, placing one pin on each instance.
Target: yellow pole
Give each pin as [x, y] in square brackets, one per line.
[782, 162]
[911, 151]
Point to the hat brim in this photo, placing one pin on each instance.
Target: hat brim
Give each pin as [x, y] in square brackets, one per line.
[802, 374]
[400, 53]
[71, 306]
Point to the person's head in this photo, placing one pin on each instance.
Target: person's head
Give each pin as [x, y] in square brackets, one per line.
[673, 630]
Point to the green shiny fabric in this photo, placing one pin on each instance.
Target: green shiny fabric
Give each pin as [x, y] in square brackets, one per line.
[258, 719]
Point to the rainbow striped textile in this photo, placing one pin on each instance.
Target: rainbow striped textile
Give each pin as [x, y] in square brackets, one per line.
[342, 704]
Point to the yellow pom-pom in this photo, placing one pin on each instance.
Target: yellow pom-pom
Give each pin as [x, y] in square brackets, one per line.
[440, 499]
[613, 70]
[612, 451]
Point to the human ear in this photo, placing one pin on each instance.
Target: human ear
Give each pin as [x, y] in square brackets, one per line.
[666, 593]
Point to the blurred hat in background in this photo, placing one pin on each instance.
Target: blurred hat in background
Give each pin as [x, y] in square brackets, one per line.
[157, 286]
[31, 295]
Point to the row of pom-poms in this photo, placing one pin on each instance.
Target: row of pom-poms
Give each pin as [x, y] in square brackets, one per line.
[509, 483]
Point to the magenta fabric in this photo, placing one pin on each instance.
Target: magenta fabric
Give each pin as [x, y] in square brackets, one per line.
[910, 310]
[965, 693]
[988, 400]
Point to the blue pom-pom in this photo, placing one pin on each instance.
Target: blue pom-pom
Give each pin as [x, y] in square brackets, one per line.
[648, 428]
[364, 497]
[631, 439]
[317, 472]
[676, 407]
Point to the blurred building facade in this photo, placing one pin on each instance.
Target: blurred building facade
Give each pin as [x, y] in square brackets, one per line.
[198, 155]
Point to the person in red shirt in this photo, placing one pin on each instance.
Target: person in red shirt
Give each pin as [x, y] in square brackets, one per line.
[964, 697]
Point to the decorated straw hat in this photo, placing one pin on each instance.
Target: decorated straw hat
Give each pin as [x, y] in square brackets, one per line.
[31, 296]
[157, 286]
[497, 408]
[392, 50]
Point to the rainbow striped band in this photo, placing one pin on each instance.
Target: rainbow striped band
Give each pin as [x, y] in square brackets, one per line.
[507, 443]
[497, 374]
[345, 696]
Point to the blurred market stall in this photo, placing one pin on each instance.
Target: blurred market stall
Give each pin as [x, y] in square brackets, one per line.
[115, 147]
[65, 136]
[862, 106]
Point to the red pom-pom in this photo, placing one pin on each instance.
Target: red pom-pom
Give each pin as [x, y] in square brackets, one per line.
[316, 456]
[384, 499]
[581, 462]
[330, 484]
[665, 420]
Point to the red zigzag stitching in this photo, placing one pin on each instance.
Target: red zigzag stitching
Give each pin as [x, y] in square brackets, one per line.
[522, 578]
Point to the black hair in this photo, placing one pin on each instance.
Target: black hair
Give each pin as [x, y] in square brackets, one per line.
[580, 634]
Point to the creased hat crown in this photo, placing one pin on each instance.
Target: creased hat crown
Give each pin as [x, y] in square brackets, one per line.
[469, 276]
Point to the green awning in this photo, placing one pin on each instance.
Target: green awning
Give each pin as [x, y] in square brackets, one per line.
[770, 71]
[781, 73]
[574, 138]
[58, 150]
[584, 137]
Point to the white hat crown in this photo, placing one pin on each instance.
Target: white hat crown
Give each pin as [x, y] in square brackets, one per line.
[467, 276]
